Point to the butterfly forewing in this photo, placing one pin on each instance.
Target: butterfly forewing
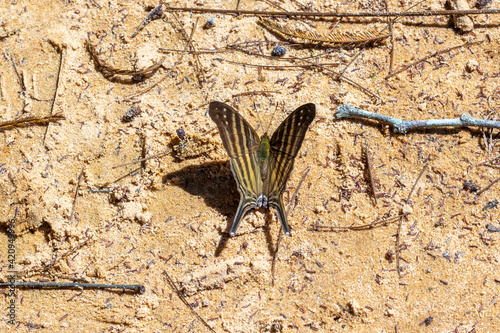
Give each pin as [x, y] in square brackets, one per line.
[238, 137]
[285, 145]
[241, 143]
[288, 138]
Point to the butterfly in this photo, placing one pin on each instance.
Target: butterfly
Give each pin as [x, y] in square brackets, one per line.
[261, 166]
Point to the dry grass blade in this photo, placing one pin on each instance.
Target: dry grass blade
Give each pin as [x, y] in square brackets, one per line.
[30, 121]
[275, 257]
[398, 235]
[378, 222]
[370, 172]
[178, 292]
[345, 37]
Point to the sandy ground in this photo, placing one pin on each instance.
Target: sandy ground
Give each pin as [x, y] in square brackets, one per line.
[171, 213]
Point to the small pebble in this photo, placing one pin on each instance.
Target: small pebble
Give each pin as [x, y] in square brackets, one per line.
[491, 205]
[482, 3]
[463, 23]
[209, 24]
[131, 113]
[276, 327]
[428, 321]
[491, 228]
[458, 255]
[446, 255]
[471, 65]
[279, 51]
[470, 186]
[181, 134]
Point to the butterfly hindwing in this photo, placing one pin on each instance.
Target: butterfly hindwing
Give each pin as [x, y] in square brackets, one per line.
[241, 143]
[285, 145]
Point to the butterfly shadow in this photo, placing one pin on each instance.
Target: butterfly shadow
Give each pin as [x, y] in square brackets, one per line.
[213, 182]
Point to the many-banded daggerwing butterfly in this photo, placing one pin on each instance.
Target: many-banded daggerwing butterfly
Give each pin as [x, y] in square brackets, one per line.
[261, 166]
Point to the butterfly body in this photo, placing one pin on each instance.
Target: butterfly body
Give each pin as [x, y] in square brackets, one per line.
[261, 166]
[264, 153]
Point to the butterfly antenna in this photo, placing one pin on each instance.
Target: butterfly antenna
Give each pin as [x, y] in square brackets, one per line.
[272, 117]
[258, 115]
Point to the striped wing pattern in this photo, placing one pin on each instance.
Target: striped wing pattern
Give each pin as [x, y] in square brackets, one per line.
[285, 145]
[242, 144]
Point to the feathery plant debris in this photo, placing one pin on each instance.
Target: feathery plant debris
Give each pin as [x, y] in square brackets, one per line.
[336, 37]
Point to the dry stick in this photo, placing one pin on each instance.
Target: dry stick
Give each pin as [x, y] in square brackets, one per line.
[309, 65]
[371, 225]
[177, 291]
[403, 126]
[334, 14]
[275, 257]
[398, 235]
[272, 3]
[30, 121]
[76, 196]
[19, 78]
[342, 77]
[432, 55]
[156, 13]
[370, 171]
[60, 285]
[487, 187]
[488, 161]
[272, 66]
[255, 92]
[191, 45]
[143, 159]
[391, 56]
[61, 62]
[174, 66]
[391, 32]
[55, 260]
[9, 33]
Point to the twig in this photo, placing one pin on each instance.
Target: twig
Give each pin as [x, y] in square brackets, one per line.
[143, 159]
[56, 259]
[391, 58]
[370, 171]
[156, 13]
[335, 14]
[128, 76]
[416, 182]
[9, 33]
[275, 257]
[63, 285]
[371, 225]
[256, 92]
[174, 66]
[432, 55]
[177, 291]
[487, 187]
[189, 39]
[76, 196]
[30, 121]
[403, 126]
[58, 79]
[398, 235]
[342, 77]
